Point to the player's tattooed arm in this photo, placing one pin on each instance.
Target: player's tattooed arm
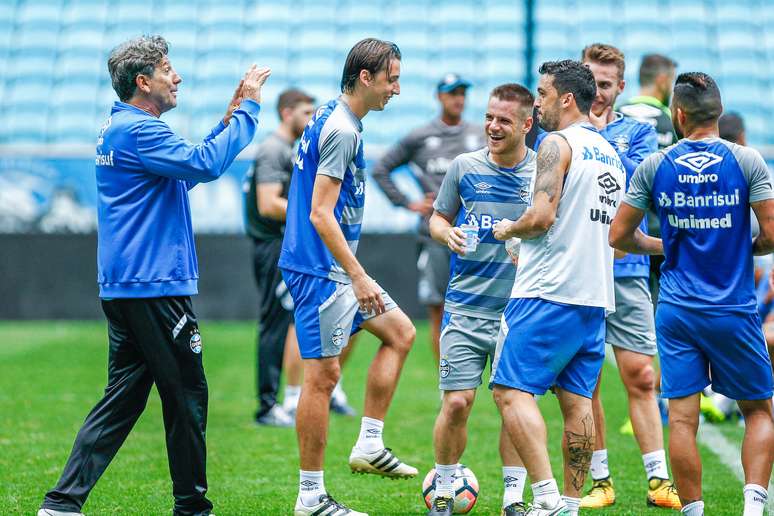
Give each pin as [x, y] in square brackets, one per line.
[764, 212]
[553, 161]
[579, 448]
[626, 236]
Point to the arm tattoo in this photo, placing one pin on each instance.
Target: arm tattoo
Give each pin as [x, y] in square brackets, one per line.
[545, 175]
[579, 450]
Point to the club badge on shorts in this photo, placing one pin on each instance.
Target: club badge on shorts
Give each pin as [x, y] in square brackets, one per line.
[196, 341]
[338, 336]
[444, 368]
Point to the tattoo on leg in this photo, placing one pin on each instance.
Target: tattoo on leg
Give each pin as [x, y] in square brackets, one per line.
[579, 450]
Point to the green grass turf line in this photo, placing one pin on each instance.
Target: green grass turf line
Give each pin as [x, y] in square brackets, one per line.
[54, 372]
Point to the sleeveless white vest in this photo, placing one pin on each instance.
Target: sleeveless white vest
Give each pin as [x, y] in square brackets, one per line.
[572, 263]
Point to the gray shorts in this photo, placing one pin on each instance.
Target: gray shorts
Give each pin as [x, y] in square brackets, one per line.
[632, 326]
[433, 267]
[466, 344]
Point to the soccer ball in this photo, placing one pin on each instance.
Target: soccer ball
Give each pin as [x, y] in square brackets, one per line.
[465, 489]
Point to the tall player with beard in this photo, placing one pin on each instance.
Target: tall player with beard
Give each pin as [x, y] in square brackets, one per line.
[555, 320]
[630, 330]
[333, 295]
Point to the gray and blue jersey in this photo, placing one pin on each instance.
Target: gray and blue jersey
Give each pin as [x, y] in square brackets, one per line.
[332, 146]
[701, 191]
[478, 191]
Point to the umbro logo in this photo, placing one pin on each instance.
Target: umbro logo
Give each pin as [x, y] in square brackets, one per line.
[482, 187]
[698, 161]
[373, 431]
[510, 480]
[608, 183]
[308, 484]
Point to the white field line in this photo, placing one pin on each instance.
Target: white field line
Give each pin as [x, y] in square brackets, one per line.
[727, 452]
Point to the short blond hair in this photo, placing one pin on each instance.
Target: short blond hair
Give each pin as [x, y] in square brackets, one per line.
[605, 54]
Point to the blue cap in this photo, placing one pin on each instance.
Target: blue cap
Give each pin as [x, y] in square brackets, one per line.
[452, 81]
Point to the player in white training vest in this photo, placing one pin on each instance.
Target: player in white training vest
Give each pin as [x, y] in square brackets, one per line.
[563, 288]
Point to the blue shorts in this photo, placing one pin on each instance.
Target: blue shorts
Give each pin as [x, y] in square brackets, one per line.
[326, 313]
[700, 347]
[547, 344]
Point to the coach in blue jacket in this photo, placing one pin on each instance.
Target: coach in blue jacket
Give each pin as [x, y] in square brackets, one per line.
[147, 271]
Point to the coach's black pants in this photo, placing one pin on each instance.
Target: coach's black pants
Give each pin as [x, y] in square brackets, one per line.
[151, 341]
[273, 321]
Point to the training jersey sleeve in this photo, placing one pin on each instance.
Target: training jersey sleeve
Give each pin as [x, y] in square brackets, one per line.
[640, 190]
[756, 172]
[397, 155]
[164, 153]
[448, 201]
[644, 143]
[338, 147]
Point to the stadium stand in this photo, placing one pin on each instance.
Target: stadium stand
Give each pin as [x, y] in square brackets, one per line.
[47, 44]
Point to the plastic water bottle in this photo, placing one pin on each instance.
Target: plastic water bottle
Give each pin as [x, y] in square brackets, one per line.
[471, 237]
[512, 245]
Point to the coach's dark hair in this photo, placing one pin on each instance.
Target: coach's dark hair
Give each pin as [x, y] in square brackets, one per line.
[369, 54]
[731, 126]
[292, 97]
[698, 96]
[138, 56]
[654, 65]
[572, 77]
[513, 92]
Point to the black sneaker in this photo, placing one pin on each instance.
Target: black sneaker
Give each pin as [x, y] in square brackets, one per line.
[327, 506]
[515, 509]
[442, 506]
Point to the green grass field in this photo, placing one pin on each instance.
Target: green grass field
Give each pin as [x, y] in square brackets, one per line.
[53, 373]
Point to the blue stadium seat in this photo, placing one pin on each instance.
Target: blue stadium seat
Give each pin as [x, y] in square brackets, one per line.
[86, 41]
[367, 14]
[180, 14]
[35, 41]
[497, 41]
[25, 124]
[39, 13]
[230, 16]
[84, 14]
[410, 12]
[503, 11]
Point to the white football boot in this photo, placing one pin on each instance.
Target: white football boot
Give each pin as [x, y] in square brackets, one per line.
[381, 462]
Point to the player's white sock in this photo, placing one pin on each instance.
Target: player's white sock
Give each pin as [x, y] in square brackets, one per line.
[444, 480]
[694, 509]
[599, 469]
[370, 439]
[546, 494]
[311, 487]
[755, 498]
[573, 504]
[292, 394]
[338, 392]
[514, 478]
[655, 464]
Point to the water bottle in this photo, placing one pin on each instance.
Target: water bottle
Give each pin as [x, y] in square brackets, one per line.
[471, 237]
[512, 246]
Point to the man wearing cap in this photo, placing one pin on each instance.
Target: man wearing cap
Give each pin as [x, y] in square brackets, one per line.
[428, 150]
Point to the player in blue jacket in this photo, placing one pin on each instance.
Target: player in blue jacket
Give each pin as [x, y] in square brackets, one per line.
[147, 271]
[630, 330]
[707, 325]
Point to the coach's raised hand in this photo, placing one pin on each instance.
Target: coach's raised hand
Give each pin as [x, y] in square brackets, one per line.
[253, 81]
[234, 103]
